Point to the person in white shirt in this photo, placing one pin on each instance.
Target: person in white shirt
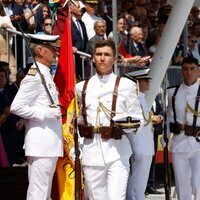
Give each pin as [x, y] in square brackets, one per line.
[142, 143]
[183, 121]
[104, 99]
[43, 139]
[89, 17]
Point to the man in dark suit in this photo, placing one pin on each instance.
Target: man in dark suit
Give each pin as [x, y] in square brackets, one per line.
[100, 30]
[134, 46]
[108, 18]
[79, 37]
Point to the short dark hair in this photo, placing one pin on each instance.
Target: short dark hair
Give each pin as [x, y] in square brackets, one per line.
[102, 43]
[190, 60]
[46, 19]
[6, 74]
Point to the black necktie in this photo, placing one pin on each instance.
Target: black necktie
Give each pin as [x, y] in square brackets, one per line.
[140, 49]
[79, 28]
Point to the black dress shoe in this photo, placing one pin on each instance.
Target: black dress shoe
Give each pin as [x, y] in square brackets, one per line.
[152, 190]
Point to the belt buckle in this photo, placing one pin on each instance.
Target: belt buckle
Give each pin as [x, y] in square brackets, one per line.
[197, 137]
[183, 127]
[97, 129]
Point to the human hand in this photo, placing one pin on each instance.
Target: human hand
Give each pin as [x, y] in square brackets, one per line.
[157, 119]
[163, 142]
[17, 18]
[136, 59]
[4, 26]
[73, 154]
[20, 124]
[74, 49]
[53, 113]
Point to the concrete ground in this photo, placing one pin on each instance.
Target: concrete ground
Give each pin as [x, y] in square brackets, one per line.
[159, 174]
[162, 196]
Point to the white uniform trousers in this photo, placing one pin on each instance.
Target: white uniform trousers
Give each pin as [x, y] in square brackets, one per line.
[140, 167]
[187, 174]
[107, 182]
[40, 175]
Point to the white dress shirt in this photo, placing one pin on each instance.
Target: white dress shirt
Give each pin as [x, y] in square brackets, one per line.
[98, 151]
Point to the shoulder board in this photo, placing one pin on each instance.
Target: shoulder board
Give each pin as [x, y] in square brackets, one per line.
[32, 71]
[174, 86]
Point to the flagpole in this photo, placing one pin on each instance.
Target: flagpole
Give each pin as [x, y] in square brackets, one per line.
[78, 182]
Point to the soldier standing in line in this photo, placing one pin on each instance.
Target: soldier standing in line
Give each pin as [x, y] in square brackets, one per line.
[142, 143]
[183, 120]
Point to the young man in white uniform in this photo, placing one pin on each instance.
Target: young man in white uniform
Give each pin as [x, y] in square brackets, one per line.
[183, 120]
[142, 143]
[106, 160]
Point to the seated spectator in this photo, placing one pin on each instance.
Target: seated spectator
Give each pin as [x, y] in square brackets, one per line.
[126, 57]
[152, 48]
[159, 28]
[10, 123]
[100, 30]
[140, 15]
[42, 13]
[193, 48]
[130, 21]
[195, 12]
[196, 32]
[30, 10]
[5, 22]
[177, 56]
[135, 46]
[4, 112]
[47, 26]
[108, 18]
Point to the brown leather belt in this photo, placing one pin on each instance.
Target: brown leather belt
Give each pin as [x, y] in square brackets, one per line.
[106, 132]
[189, 130]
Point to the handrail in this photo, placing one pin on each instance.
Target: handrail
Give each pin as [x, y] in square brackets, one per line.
[83, 54]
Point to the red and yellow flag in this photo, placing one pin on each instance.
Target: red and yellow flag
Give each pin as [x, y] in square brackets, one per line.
[65, 82]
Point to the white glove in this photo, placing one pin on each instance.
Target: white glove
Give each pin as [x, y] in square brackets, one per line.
[73, 155]
[162, 142]
[53, 113]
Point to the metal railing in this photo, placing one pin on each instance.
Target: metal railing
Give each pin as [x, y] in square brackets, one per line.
[173, 74]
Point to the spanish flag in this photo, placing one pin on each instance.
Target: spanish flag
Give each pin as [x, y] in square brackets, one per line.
[65, 82]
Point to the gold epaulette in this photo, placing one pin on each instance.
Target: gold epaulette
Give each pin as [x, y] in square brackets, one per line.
[32, 71]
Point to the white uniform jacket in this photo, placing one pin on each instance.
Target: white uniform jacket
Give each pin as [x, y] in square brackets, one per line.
[97, 151]
[182, 143]
[142, 142]
[89, 21]
[43, 136]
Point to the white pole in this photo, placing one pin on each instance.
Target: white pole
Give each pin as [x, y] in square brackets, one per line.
[167, 44]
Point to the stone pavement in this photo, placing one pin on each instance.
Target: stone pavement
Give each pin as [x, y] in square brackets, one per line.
[161, 196]
[159, 175]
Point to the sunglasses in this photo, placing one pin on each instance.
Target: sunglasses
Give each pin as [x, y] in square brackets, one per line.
[47, 24]
[194, 41]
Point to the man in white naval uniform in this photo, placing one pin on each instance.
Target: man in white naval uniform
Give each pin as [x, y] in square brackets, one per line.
[183, 120]
[89, 17]
[106, 161]
[142, 143]
[43, 139]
